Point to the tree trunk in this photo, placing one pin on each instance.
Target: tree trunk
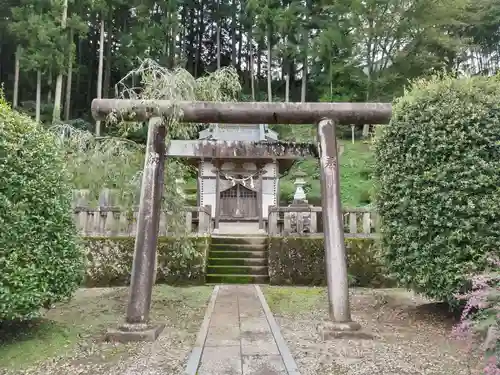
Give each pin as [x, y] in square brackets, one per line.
[173, 37]
[241, 30]
[286, 67]
[218, 33]
[1, 65]
[303, 90]
[16, 77]
[370, 62]
[79, 54]
[287, 83]
[67, 102]
[49, 83]
[56, 114]
[259, 60]
[269, 76]
[99, 72]
[201, 31]
[233, 35]
[251, 63]
[107, 73]
[38, 95]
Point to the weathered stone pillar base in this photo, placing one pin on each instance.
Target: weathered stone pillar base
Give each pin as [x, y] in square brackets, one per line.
[329, 330]
[134, 333]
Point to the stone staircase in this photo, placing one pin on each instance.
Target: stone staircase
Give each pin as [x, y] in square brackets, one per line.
[237, 260]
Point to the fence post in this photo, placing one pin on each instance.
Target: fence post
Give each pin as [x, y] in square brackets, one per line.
[273, 221]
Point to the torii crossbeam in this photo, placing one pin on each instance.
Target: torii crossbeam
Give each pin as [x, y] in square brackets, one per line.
[325, 115]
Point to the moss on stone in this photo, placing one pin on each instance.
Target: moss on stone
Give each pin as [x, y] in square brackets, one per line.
[301, 261]
[109, 261]
[236, 279]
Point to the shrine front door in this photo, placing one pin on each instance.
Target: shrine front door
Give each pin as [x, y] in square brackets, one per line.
[239, 203]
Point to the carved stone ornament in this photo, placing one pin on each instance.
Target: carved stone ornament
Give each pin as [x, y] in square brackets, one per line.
[153, 158]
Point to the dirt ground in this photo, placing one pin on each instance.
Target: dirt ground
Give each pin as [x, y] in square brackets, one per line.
[411, 335]
[69, 340]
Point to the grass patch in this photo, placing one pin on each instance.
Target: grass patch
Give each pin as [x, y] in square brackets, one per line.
[356, 165]
[82, 322]
[291, 300]
[23, 343]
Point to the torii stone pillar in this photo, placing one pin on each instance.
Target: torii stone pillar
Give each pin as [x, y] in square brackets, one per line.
[326, 115]
[137, 326]
[340, 321]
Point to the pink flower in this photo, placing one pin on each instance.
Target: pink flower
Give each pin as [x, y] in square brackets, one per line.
[492, 367]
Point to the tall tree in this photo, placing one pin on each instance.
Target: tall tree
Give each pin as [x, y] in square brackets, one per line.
[56, 115]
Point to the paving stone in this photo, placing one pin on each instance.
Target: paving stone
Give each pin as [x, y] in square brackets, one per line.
[258, 343]
[223, 335]
[250, 310]
[224, 320]
[226, 310]
[263, 365]
[221, 360]
[254, 324]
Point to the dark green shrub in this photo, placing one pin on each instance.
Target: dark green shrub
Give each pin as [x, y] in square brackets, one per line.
[298, 260]
[365, 197]
[40, 259]
[438, 172]
[109, 260]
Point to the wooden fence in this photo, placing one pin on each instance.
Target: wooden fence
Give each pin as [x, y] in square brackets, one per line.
[116, 222]
[106, 220]
[358, 222]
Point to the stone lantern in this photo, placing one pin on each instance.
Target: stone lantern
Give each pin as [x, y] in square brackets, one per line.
[300, 196]
[303, 220]
[179, 183]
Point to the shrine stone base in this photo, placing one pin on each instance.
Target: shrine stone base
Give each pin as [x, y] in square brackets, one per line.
[329, 330]
[134, 333]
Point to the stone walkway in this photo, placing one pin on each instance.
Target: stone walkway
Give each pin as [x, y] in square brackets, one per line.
[239, 336]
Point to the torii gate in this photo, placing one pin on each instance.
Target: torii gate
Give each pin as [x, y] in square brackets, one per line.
[325, 115]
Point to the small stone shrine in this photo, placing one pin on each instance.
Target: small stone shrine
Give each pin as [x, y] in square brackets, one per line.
[238, 169]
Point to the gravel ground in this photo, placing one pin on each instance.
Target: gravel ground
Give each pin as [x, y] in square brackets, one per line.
[411, 335]
[82, 351]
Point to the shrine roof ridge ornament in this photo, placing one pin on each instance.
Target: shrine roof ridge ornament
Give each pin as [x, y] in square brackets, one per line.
[244, 112]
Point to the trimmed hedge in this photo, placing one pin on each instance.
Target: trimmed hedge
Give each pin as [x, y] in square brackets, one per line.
[438, 177]
[109, 260]
[301, 261]
[41, 261]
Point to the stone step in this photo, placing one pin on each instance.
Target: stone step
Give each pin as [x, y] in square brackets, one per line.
[237, 270]
[237, 279]
[238, 254]
[237, 261]
[244, 240]
[237, 247]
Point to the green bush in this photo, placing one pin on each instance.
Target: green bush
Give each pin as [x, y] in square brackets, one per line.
[301, 261]
[438, 177]
[109, 261]
[40, 259]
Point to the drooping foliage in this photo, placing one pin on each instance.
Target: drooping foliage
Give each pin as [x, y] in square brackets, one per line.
[438, 174]
[116, 162]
